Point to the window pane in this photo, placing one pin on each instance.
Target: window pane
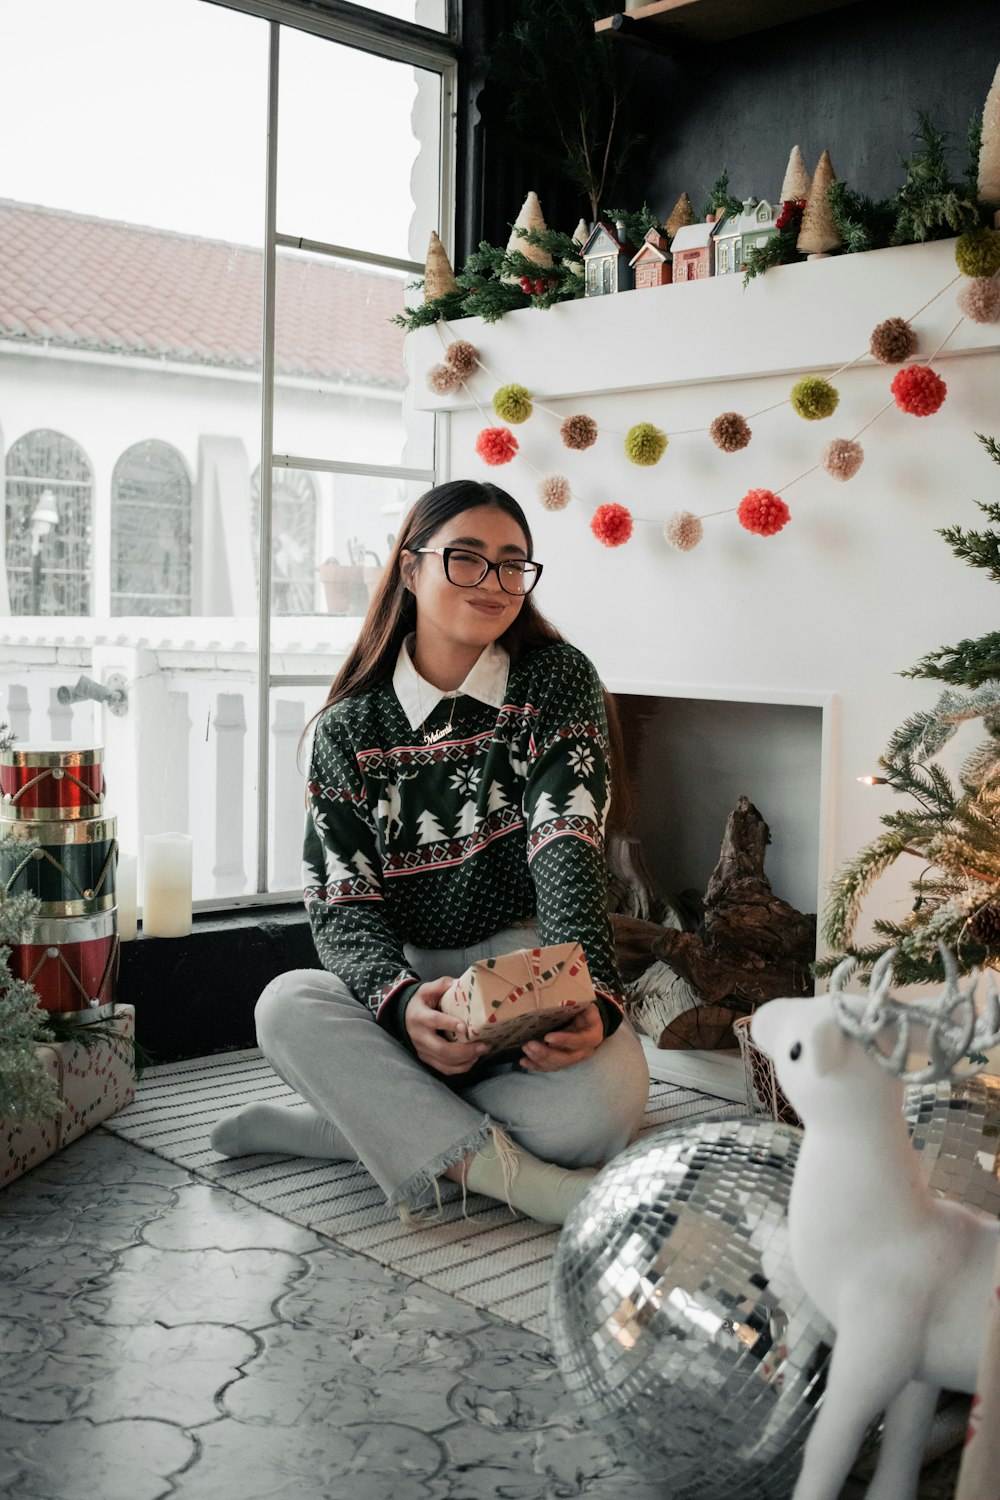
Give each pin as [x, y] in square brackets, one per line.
[332, 564]
[291, 711]
[358, 148]
[338, 365]
[430, 13]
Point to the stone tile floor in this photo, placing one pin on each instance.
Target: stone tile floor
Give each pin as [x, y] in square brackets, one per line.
[161, 1337]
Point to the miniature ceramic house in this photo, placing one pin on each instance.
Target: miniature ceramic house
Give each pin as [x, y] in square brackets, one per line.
[692, 251]
[651, 265]
[737, 234]
[607, 255]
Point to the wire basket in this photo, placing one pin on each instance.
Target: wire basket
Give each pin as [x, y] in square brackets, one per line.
[763, 1090]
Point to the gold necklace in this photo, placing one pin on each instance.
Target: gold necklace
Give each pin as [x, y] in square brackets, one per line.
[431, 736]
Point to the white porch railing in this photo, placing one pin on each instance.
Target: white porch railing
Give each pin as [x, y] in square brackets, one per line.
[183, 755]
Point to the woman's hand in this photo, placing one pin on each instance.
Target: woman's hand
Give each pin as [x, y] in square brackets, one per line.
[574, 1043]
[439, 1041]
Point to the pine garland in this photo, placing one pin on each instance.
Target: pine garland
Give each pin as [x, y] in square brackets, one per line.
[930, 206]
[862, 223]
[954, 831]
[720, 199]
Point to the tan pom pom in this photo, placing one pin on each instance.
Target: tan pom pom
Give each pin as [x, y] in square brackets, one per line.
[442, 380]
[893, 341]
[579, 431]
[554, 492]
[462, 356]
[730, 432]
[842, 459]
[683, 530]
[979, 299]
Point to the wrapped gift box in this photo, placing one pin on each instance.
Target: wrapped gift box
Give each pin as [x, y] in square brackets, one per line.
[94, 1083]
[507, 1000]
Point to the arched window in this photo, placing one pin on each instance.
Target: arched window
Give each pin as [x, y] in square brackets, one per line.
[49, 496]
[293, 544]
[150, 532]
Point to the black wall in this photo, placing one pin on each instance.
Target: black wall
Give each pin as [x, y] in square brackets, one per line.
[850, 82]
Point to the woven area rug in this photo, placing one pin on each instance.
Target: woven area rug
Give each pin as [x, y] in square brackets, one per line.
[491, 1259]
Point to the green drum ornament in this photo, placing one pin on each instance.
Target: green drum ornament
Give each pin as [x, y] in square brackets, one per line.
[70, 866]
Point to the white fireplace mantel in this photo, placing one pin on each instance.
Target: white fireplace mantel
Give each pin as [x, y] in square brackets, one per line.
[856, 588]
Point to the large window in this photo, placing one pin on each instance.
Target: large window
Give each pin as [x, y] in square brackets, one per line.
[201, 385]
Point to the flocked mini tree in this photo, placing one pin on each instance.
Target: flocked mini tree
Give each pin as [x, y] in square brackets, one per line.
[26, 1090]
[952, 831]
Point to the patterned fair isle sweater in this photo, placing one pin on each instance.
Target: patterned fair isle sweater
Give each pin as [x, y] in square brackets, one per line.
[442, 845]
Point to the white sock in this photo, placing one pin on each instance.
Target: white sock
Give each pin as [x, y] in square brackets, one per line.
[283, 1130]
[537, 1188]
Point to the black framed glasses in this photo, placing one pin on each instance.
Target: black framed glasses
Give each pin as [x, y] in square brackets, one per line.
[465, 569]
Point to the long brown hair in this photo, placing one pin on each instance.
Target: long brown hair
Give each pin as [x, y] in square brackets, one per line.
[392, 614]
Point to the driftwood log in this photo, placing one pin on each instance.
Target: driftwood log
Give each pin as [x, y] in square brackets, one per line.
[750, 947]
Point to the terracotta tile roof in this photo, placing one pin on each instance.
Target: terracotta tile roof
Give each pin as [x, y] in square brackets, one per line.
[96, 284]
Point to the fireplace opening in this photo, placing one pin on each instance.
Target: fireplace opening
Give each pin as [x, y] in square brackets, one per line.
[689, 762]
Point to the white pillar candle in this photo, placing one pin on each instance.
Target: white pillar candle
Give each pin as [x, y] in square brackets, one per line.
[166, 883]
[125, 896]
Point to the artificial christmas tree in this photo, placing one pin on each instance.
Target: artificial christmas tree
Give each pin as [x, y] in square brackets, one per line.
[796, 183]
[954, 832]
[819, 234]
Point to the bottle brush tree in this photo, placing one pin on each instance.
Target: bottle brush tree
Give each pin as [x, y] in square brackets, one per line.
[952, 831]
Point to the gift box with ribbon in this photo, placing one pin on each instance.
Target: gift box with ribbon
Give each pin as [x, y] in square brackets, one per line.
[95, 1080]
[507, 1000]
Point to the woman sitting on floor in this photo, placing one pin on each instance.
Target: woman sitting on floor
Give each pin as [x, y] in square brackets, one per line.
[458, 791]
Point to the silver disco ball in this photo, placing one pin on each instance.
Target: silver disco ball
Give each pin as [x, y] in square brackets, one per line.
[677, 1322]
[955, 1126]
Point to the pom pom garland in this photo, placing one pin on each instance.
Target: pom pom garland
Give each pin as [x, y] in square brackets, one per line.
[730, 432]
[762, 512]
[512, 403]
[578, 431]
[442, 379]
[842, 458]
[918, 390]
[813, 398]
[683, 530]
[892, 341]
[554, 492]
[462, 356]
[979, 299]
[611, 524]
[977, 252]
[645, 444]
[496, 445]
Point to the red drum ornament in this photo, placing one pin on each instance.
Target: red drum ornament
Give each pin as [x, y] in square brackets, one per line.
[45, 783]
[72, 963]
[72, 870]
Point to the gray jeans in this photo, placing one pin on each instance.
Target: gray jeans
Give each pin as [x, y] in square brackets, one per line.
[404, 1122]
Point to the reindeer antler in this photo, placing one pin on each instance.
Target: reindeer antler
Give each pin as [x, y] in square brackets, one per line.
[951, 1024]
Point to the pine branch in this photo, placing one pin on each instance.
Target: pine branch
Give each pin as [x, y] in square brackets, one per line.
[720, 199]
[863, 223]
[991, 445]
[969, 664]
[849, 887]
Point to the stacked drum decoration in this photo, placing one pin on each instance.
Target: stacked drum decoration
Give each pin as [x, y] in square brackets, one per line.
[52, 803]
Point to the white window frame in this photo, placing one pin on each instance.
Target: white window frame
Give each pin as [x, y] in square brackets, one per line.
[350, 25]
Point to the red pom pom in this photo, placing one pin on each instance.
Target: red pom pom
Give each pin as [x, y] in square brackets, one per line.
[762, 512]
[918, 390]
[496, 445]
[611, 524]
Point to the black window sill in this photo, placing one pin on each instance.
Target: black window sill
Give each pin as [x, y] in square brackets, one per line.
[196, 995]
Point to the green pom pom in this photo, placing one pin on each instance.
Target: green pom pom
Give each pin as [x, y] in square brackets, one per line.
[813, 397]
[977, 253]
[512, 403]
[645, 444]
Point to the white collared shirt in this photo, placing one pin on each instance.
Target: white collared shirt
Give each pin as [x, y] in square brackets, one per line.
[487, 681]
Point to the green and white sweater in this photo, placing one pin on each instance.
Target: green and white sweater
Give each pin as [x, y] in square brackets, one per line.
[442, 845]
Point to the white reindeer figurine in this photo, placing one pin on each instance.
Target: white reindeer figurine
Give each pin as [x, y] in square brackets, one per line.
[905, 1278]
